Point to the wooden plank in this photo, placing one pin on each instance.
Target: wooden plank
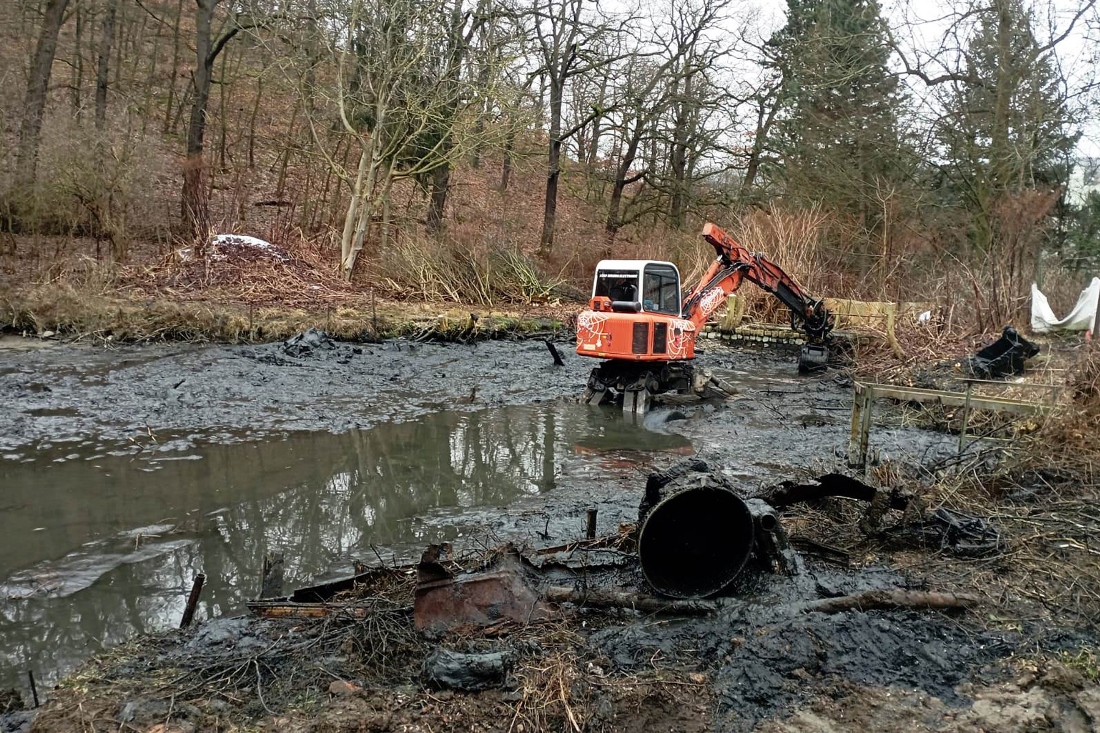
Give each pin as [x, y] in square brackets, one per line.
[956, 399]
[271, 578]
[276, 609]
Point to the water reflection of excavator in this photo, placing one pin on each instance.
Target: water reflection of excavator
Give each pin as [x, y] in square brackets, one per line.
[643, 327]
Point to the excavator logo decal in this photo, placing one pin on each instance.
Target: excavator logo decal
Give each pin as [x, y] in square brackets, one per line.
[711, 301]
[590, 329]
[679, 339]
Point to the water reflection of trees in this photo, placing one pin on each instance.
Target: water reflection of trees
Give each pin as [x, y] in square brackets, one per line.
[320, 498]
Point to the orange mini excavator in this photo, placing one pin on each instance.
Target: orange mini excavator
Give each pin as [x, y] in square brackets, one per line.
[645, 329]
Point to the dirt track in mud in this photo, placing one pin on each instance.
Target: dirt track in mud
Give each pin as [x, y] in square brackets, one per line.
[763, 663]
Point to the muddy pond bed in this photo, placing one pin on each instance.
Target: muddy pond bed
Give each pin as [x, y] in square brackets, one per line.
[127, 470]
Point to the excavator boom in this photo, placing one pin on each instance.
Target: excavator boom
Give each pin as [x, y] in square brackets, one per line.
[734, 264]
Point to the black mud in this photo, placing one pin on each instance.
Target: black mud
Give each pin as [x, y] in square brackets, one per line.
[760, 655]
[75, 393]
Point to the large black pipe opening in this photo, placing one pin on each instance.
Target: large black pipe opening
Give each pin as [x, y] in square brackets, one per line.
[695, 542]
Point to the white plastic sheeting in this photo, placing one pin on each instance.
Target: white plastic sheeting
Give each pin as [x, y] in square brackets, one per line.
[1080, 318]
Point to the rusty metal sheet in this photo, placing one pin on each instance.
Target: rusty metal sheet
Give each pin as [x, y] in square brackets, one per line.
[503, 592]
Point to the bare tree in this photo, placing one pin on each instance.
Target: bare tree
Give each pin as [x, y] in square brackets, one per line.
[566, 39]
[402, 96]
[194, 204]
[38, 82]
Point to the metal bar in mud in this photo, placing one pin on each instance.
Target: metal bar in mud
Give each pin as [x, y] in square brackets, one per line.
[34, 688]
[193, 601]
[558, 361]
[590, 530]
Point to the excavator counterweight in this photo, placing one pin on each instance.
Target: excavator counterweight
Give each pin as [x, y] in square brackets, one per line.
[645, 328]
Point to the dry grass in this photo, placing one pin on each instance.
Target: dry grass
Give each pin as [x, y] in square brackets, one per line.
[88, 314]
[424, 268]
[791, 239]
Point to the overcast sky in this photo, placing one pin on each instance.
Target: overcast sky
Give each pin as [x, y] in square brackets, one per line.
[920, 26]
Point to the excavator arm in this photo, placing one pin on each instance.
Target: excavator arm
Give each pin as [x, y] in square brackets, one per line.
[736, 264]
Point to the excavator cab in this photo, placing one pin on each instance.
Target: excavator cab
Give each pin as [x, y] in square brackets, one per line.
[635, 286]
[634, 313]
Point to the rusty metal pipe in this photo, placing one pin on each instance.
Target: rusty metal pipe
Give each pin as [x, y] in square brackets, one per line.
[763, 515]
[693, 543]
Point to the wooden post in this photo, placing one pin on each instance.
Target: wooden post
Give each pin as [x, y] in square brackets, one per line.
[192, 601]
[965, 418]
[865, 427]
[859, 436]
[857, 423]
[590, 532]
[271, 581]
[34, 688]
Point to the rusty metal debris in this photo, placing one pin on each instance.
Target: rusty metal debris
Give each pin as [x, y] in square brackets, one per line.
[696, 534]
[504, 591]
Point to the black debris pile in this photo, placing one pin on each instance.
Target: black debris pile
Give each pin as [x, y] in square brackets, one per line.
[1004, 357]
[308, 343]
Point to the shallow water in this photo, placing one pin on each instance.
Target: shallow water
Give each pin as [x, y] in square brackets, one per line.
[98, 542]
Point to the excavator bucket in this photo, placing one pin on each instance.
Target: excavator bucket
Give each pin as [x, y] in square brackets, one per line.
[814, 358]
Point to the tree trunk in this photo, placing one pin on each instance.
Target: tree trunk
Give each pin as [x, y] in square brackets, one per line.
[553, 170]
[441, 183]
[614, 222]
[594, 141]
[550, 208]
[170, 104]
[483, 111]
[38, 82]
[765, 116]
[352, 216]
[194, 206]
[103, 66]
[506, 164]
[78, 61]
[678, 158]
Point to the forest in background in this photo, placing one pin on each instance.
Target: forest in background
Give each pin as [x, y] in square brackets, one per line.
[491, 151]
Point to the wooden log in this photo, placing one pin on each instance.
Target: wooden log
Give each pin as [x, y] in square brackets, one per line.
[193, 601]
[620, 599]
[787, 493]
[271, 581]
[558, 361]
[891, 598]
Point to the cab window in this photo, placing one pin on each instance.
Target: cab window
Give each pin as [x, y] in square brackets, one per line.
[662, 290]
[617, 285]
